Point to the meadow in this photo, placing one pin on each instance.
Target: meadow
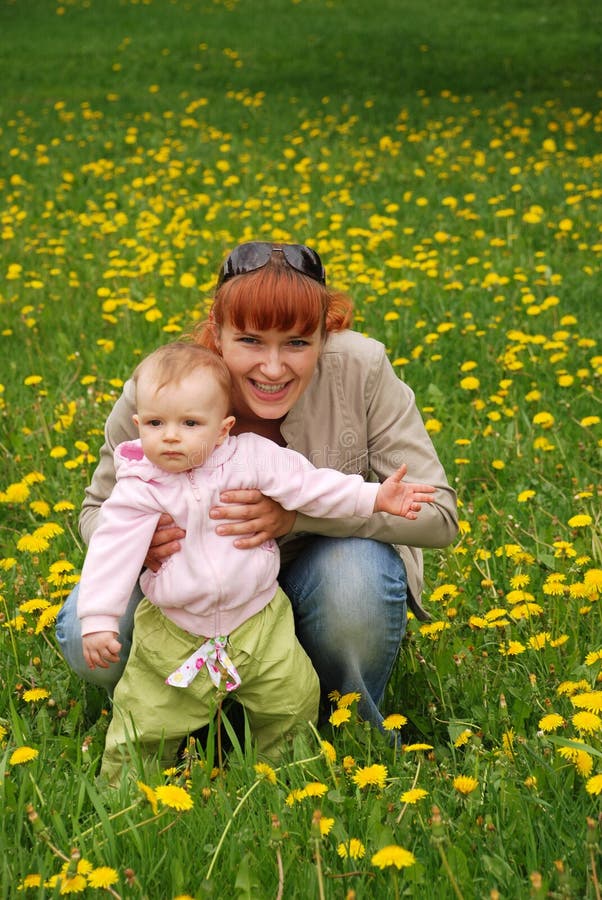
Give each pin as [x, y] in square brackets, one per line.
[446, 164]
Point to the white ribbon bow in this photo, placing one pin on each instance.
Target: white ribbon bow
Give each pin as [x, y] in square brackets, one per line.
[213, 655]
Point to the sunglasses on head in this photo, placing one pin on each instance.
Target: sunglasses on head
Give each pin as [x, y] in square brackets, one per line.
[256, 254]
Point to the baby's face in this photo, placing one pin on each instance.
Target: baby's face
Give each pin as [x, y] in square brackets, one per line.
[180, 424]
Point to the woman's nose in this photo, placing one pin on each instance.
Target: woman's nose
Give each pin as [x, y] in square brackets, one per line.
[272, 365]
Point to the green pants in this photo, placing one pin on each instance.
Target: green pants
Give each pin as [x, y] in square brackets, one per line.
[279, 689]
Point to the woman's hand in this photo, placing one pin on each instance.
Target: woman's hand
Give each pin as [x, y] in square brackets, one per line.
[164, 542]
[250, 513]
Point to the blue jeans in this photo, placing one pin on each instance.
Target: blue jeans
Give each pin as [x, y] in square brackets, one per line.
[349, 601]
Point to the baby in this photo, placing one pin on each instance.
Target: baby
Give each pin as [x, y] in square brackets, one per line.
[212, 610]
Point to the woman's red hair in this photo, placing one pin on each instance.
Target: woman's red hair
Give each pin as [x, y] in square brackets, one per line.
[275, 296]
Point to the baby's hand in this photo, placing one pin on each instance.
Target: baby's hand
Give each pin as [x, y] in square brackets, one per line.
[401, 498]
[101, 648]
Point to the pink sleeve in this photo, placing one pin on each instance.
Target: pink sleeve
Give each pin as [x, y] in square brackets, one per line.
[290, 478]
[115, 555]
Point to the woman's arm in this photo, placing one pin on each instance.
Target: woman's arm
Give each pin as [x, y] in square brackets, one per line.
[396, 435]
[118, 427]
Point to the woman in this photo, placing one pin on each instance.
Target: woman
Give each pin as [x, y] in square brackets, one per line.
[302, 379]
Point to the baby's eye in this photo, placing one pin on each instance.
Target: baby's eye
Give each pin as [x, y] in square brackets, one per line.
[190, 423]
[154, 423]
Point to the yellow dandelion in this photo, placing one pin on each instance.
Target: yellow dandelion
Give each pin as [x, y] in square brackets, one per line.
[34, 694]
[465, 784]
[352, 849]
[348, 763]
[413, 795]
[30, 881]
[73, 884]
[394, 721]
[348, 699]
[580, 521]
[594, 785]
[579, 758]
[173, 796]
[594, 577]
[588, 722]
[463, 738]
[325, 825]
[15, 493]
[588, 421]
[23, 755]
[392, 855]
[33, 605]
[414, 748]
[150, 795]
[371, 776]
[339, 717]
[470, 383]
[295, 796]
[31, 543]
[550, 722]
[592, 701]
[593, 657]
[102, 877]
[525, 495]
[47, 617]
[329, 752]
[315, 789]
[514, 648]
[445, 592]
[265, 772]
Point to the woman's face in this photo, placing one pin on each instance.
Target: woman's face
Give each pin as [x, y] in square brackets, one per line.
[270, 369]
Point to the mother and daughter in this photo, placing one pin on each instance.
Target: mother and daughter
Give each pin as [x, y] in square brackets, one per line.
[188, 487]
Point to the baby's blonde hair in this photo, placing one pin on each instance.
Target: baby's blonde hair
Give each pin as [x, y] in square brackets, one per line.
[172, 363]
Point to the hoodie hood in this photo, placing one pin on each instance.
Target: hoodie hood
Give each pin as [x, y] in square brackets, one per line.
[130, 461]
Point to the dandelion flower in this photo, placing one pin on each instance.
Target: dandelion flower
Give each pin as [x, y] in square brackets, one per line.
[465, 784]
[315, 789]
[295, 796]
[591, 701]
[173, 796]
[22, 755]
[73, 884]
[150, 795]
[325, 825]
[353, 848]
[470, 383]
[348, 699]
[367, 776]
[550, 722]
[463, 738]
[580, 521]
[413, 795]
[103, 877]
[329, 752]
[588, 722]
[412, 748]
[394, 721]
[348, 763]
[594, 785]
[30, 881]
[265, 772]
[34, 694]
[339, 717]
[393, 856]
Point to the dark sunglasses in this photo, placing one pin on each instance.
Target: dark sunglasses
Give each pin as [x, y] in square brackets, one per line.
[256, 254]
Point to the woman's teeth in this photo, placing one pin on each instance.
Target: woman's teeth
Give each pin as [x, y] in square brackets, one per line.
[269, 388]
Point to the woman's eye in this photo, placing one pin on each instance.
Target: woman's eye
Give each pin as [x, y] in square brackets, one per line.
[299, 342]
[248, 340]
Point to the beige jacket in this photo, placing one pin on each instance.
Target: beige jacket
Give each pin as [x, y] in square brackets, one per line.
[355, 416]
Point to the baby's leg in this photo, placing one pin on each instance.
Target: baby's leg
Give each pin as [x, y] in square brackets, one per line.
[280, 689]
[150, 718]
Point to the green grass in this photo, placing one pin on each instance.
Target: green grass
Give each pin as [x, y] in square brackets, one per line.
[446, 164]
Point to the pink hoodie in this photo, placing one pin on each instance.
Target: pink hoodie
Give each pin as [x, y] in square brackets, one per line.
[210, 587]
